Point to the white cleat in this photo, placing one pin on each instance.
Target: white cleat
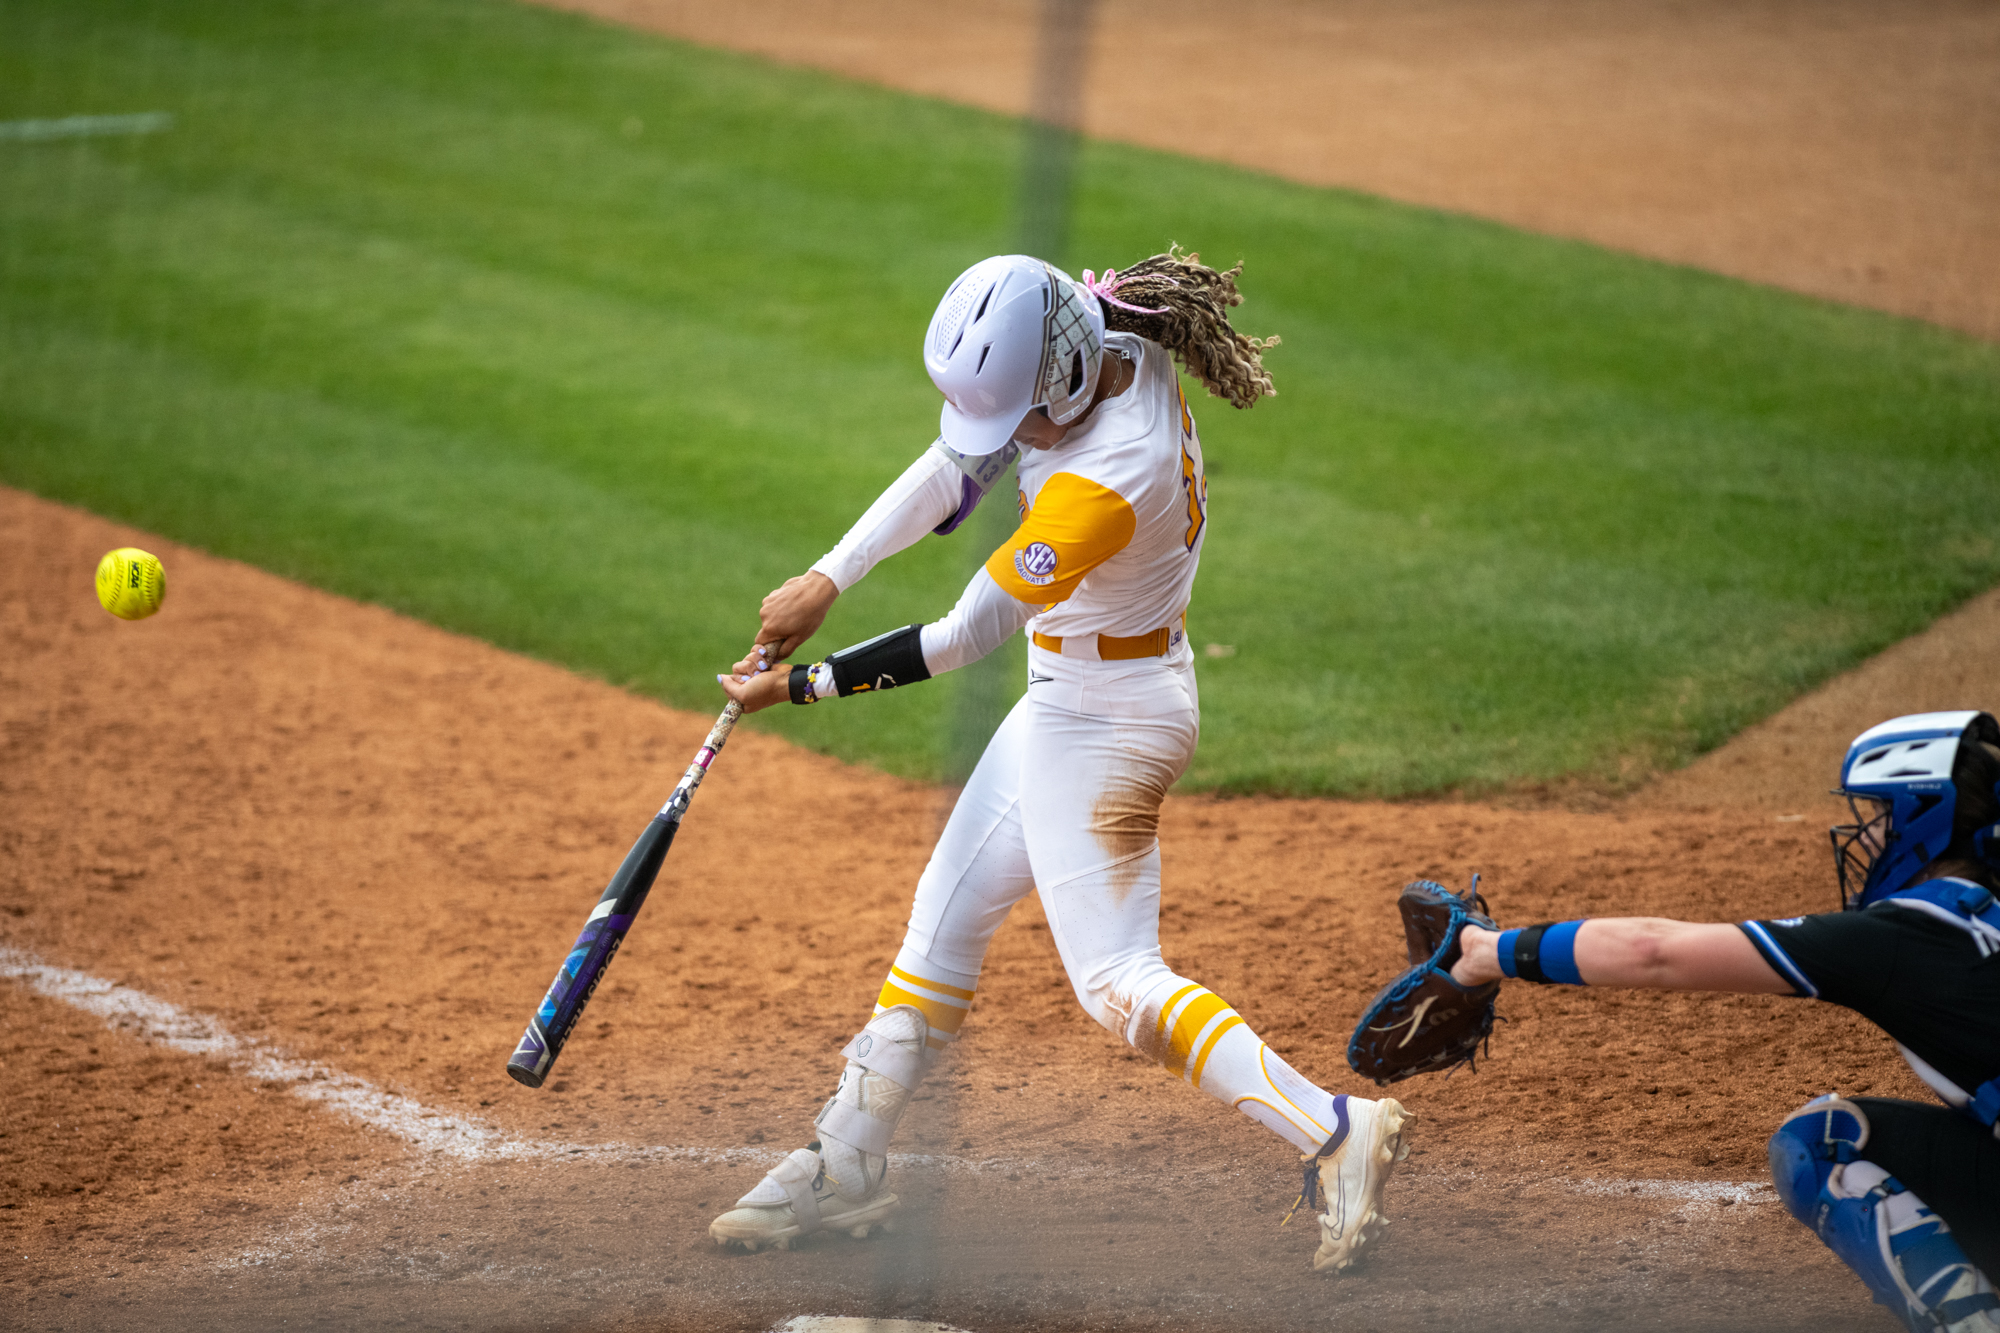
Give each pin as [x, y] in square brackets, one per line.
[836, 1184]
[1350, 1174]
[795, 1199]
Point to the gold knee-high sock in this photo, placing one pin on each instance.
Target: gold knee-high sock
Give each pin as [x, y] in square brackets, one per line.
[1198, 1037]
[943, 995]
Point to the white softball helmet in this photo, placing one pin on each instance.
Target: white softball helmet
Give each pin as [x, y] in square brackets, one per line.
[1012, 334]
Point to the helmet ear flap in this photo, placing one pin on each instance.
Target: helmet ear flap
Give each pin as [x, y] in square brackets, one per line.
[1984, 729]
[1977, 775]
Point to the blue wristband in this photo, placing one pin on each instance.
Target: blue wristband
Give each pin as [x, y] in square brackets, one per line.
[1559, 954]
[1544, 954]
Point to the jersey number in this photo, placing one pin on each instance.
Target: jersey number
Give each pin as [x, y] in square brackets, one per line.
[1196, 486]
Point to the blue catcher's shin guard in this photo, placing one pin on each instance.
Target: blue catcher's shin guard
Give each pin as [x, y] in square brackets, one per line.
[1901, 1249]
[1824, 1133]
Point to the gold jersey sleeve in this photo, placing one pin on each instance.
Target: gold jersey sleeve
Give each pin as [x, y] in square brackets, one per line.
[1075, 525]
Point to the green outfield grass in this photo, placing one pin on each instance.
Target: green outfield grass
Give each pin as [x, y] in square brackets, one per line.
[579, 340]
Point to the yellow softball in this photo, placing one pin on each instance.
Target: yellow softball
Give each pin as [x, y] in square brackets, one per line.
[130, 583]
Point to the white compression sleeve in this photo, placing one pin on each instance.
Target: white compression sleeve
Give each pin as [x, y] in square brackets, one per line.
[984, 618]
[928, 493]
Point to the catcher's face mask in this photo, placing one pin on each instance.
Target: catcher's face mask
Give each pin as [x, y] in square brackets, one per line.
[1858, 846]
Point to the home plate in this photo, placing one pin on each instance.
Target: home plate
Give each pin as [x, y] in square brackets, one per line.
[861, 1323]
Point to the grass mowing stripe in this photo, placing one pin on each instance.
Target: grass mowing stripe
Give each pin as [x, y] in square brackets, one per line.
[578, 340]
[618, 381]
[83, 127]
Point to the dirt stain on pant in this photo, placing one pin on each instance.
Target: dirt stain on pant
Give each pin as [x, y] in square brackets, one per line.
[1150, 1038]
[1125, 820]
[1128, 1017]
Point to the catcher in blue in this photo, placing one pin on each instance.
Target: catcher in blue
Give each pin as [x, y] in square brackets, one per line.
[1907, 1194]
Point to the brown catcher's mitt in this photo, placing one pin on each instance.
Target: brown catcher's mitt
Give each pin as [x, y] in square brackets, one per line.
[1423, 1020]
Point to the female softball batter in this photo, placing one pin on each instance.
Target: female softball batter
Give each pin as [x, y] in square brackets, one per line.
[1077, 381]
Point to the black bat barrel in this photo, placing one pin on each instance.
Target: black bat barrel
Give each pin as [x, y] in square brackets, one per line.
[593, 951]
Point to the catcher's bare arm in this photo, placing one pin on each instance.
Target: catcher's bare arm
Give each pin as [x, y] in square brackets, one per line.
[1642, 952]
[1437, 1014]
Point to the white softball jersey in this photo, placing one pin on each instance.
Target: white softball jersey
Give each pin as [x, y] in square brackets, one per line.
[1112, 521]
[1112, 524]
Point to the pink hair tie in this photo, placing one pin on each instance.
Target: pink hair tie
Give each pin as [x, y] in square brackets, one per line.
[1107, 289]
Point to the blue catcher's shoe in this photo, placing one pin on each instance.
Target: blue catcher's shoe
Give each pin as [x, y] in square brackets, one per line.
[1901, 1249]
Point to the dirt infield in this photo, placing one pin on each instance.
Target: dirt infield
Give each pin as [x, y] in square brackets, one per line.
[359, 843]
[1842, 148]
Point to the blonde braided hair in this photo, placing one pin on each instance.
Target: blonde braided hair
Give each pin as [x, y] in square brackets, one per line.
[1189, 316]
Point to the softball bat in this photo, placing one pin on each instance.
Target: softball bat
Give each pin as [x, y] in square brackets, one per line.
[605, 928]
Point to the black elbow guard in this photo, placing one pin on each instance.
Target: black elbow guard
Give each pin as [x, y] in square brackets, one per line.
[882, 663]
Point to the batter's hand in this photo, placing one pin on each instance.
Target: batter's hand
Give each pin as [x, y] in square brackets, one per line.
[792, 614]
[759, 690]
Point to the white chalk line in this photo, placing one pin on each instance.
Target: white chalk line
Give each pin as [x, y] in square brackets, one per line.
[161, 1023]
[464, 1138]
[85, 127]
[1684, 1191]
[861, 1323]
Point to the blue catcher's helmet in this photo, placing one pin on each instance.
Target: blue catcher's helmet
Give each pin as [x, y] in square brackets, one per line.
[1898, 780]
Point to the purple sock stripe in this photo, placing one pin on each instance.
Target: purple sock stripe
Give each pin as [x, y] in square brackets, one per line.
[1340, 1125]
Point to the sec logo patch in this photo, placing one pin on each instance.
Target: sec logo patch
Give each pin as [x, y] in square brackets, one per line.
[1036, 563]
